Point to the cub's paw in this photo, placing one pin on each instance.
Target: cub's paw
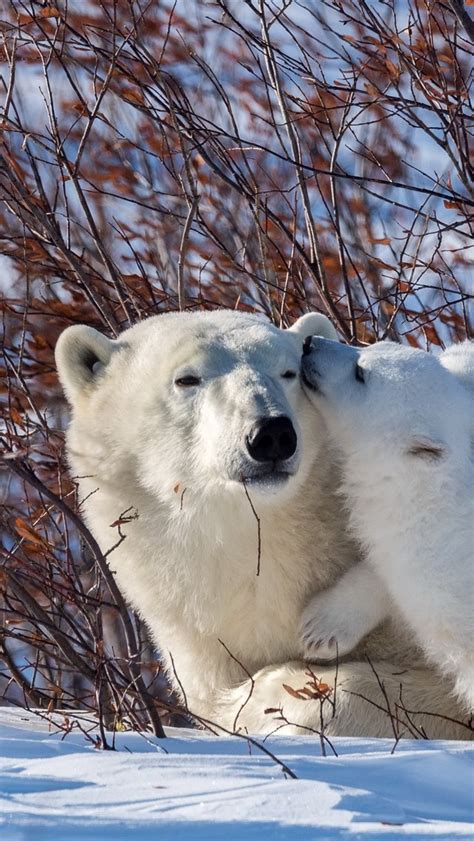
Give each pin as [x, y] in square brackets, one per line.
[328, 628]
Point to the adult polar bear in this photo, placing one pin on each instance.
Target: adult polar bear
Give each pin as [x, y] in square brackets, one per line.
[168, 420]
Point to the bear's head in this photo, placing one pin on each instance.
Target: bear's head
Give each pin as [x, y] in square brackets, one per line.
[195, 401]
[388, 405]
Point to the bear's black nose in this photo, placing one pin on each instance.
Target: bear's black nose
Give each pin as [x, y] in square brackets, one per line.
[272, 439]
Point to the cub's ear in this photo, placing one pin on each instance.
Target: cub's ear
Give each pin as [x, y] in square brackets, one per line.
[81, 352]
[314, 324]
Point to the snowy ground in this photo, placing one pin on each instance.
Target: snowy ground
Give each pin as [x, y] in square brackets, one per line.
[207, 788]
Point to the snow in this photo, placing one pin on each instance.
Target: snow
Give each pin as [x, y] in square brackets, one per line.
[206, 787]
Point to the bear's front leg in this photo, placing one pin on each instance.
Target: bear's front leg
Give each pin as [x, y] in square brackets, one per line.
[337, 619]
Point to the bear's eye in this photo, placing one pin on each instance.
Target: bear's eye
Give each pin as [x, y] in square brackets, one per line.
[188, 381]
[289, 375]
[359, 374]
[426, 449]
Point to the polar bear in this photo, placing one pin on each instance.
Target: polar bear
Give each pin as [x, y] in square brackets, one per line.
[403, 421]
[200, 424]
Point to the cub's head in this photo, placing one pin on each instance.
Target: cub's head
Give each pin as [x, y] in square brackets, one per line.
[390, 404]
[196, 401]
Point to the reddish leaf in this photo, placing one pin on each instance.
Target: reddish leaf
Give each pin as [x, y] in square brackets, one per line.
[50, 12]
[295, 693]
[25, 531]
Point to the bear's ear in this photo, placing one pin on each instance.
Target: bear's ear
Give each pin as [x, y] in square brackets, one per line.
[314, 324]
[81, 353]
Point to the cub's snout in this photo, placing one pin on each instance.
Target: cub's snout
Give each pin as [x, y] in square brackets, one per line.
[272, 439]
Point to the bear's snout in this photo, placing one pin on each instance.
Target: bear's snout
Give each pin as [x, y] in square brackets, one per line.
[272, 439]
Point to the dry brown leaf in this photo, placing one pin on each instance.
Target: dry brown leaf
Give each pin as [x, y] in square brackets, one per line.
[25, 531]
[17, 417]
[50, 12]
[295, 693]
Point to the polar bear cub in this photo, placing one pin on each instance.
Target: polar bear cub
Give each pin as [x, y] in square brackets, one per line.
[403, 422]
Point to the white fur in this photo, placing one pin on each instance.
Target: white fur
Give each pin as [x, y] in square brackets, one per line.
[459, 359]
[409, 480]
[337, 619]
[177, 455]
